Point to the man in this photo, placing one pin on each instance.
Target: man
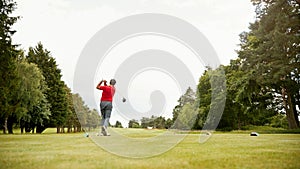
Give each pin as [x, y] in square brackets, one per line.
[106, 103]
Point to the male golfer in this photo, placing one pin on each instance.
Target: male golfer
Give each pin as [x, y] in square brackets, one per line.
[106, 103]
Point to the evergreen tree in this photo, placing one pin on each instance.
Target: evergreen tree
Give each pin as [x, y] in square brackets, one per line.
[8, 55]
[86, 118]
[188, 97]
[71, 120]
[270, 51]
[81, 111]
[93, 119]
[56, 93]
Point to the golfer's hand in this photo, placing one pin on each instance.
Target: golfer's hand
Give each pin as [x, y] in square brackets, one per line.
[105, 83]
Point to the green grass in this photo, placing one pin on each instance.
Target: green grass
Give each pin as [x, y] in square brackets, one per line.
[268, 130]
[225, 150]
[137, 133]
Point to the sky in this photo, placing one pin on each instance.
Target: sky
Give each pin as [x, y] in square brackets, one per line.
[64, 27]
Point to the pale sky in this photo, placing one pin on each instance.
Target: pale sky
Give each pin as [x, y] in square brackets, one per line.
[65, 26]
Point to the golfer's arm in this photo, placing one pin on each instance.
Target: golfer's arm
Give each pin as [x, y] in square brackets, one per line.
[99, 84]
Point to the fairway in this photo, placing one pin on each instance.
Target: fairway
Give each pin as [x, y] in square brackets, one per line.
[222, 150]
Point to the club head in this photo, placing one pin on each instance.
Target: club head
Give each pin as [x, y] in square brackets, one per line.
[123, 100]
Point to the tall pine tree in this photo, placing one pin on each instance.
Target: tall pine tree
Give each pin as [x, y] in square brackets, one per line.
[56, 92]
[271, 52]
[8, 55]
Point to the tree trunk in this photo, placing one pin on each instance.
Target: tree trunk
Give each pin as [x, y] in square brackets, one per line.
[10, 122]
[40, 128]
[5, 126]
[74, 129]
[239, 123]
[293, 114]
[22, 126]
[288, 106]
[57, 129]
[293, 101]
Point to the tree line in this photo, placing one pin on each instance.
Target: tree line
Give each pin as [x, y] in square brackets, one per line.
[153, 121]
[263, 83]
[33, 96]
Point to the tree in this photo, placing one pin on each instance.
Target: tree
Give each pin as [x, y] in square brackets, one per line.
[210, 99]
[33, 108]
[146, 122]
[8, 55]
[156, 122]
[270, 51]
[56, 93]
[186, 118]
[169, 123]
[84, 117]
[203, 99]
[71, 120]
[40, 115]
[247, 102]
[118, 124]
[160, 122]
[188, 97]
[133, 124]
[81, 112]
[233, 116]
[93, 119]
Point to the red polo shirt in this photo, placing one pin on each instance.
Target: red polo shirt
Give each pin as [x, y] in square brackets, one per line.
[108, 93]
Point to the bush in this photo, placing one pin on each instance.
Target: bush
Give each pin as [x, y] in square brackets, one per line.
[279, 121]
[225, 129]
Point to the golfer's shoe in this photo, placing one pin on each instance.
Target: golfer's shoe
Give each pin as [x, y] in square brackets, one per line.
[104, 131]
[99, 134]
